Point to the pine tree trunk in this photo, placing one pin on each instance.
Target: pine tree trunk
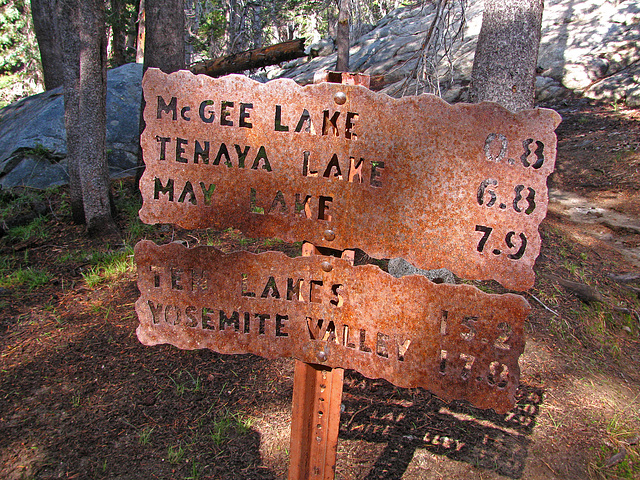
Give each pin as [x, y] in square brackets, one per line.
[163, 45]
[507, 52]
[164, 35]
[230, 31]
[141, 34]
[118, 34]
[342, 38]
[81, 30]
[43, 15]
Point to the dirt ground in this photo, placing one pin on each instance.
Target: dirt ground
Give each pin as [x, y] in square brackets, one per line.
[81, 398]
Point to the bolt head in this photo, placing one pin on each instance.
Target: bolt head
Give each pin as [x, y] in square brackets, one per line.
[340, 98]
[329, 235]
[326, 266]
[322, 356]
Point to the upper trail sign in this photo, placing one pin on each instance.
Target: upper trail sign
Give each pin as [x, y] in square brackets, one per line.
[461, 187]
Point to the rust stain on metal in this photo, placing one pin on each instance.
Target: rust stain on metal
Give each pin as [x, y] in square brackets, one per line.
[454, 340]
[456, 186]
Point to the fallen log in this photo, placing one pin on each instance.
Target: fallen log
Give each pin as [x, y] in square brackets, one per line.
[586, 293]
[259, 57]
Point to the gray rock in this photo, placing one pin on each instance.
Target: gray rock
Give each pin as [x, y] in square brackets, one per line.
[321, 48]
[633, 97]
[37, 173]
[548, 88]
[620, 87]
[399, 267]
[33, 137]
[36, 121]
[584, 44]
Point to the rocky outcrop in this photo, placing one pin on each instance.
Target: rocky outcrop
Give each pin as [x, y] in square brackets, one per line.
[33, 138]
[591, 47]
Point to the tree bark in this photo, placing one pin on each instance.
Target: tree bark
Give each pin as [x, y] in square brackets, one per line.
[141, 34]
[42, 12]
[232, 26]
[260, 57]
[507, 52]
[164, 35]
[82, 35]
[342, 38]
[163, 46]
[118, 34]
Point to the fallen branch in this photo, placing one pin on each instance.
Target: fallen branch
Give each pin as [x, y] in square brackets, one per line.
[635, 290]
[586, 293]
[617, 458]
[624, 277]
[540, 302]
[259, 57]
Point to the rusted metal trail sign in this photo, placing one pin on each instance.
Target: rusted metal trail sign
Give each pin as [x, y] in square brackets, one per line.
[454, 340]
[461, 187]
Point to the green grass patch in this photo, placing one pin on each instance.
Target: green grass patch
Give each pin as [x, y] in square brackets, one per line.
[196, 470]
[109, 266]
[12, 275]
[18, 200]
[192, 384]
[128, 207]
[175, 454]
[144, 436]
[137, 230]
[271, 242]
[226, 424]
[34, 229]
[28, 277]
[608, 467]
[70, 257]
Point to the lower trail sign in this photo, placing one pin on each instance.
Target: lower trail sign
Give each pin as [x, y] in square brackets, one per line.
[461, 187]
[454, 340]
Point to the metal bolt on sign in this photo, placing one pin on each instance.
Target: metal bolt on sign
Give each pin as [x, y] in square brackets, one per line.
[461, 187]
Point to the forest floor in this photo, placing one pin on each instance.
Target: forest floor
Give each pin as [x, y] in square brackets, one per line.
[81, 398]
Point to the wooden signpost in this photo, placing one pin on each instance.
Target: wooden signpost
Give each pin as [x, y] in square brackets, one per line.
[338, 166]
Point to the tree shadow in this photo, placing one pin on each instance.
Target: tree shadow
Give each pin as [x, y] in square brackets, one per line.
[410, 419]
[98, 404]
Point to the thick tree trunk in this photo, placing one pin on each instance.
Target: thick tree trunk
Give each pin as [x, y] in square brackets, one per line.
[342, 37]
[164, 35]
[43, 13]
[507, 52]
[81, 30]
[163, 45]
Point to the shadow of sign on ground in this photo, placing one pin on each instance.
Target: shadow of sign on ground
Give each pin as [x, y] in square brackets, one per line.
[410, 419]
